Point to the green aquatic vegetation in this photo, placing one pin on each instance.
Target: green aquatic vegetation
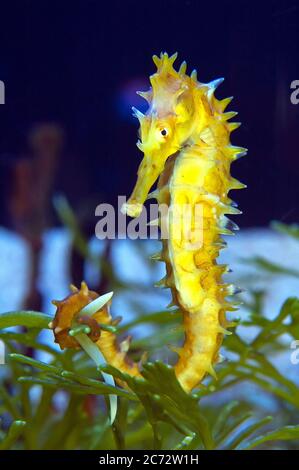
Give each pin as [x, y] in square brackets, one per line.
[64, 403]
[154, 412]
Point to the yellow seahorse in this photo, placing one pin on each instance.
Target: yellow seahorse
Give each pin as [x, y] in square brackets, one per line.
[185, 138]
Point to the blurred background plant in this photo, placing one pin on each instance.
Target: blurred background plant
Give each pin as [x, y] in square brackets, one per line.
[51, 399]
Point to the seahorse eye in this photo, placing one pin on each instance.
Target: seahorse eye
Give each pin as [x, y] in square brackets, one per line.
[164, 132]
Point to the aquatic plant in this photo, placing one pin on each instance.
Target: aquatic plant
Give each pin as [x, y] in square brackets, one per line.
[153, 411]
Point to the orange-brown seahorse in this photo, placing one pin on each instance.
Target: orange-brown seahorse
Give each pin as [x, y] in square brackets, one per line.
[185, 138]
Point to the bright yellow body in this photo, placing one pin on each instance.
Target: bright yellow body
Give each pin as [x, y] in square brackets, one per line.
[195, 155]
[197, 285]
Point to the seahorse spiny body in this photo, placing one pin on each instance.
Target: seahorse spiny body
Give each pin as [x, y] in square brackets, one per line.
[185, 138]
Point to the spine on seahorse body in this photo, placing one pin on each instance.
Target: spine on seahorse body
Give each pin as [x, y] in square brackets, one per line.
[185, 137]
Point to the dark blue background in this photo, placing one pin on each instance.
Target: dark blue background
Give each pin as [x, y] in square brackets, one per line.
[73, 62]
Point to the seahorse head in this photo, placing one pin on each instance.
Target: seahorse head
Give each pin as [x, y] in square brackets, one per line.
[170, 122]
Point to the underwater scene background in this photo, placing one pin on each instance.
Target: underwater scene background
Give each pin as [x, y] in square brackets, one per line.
[67, 144]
